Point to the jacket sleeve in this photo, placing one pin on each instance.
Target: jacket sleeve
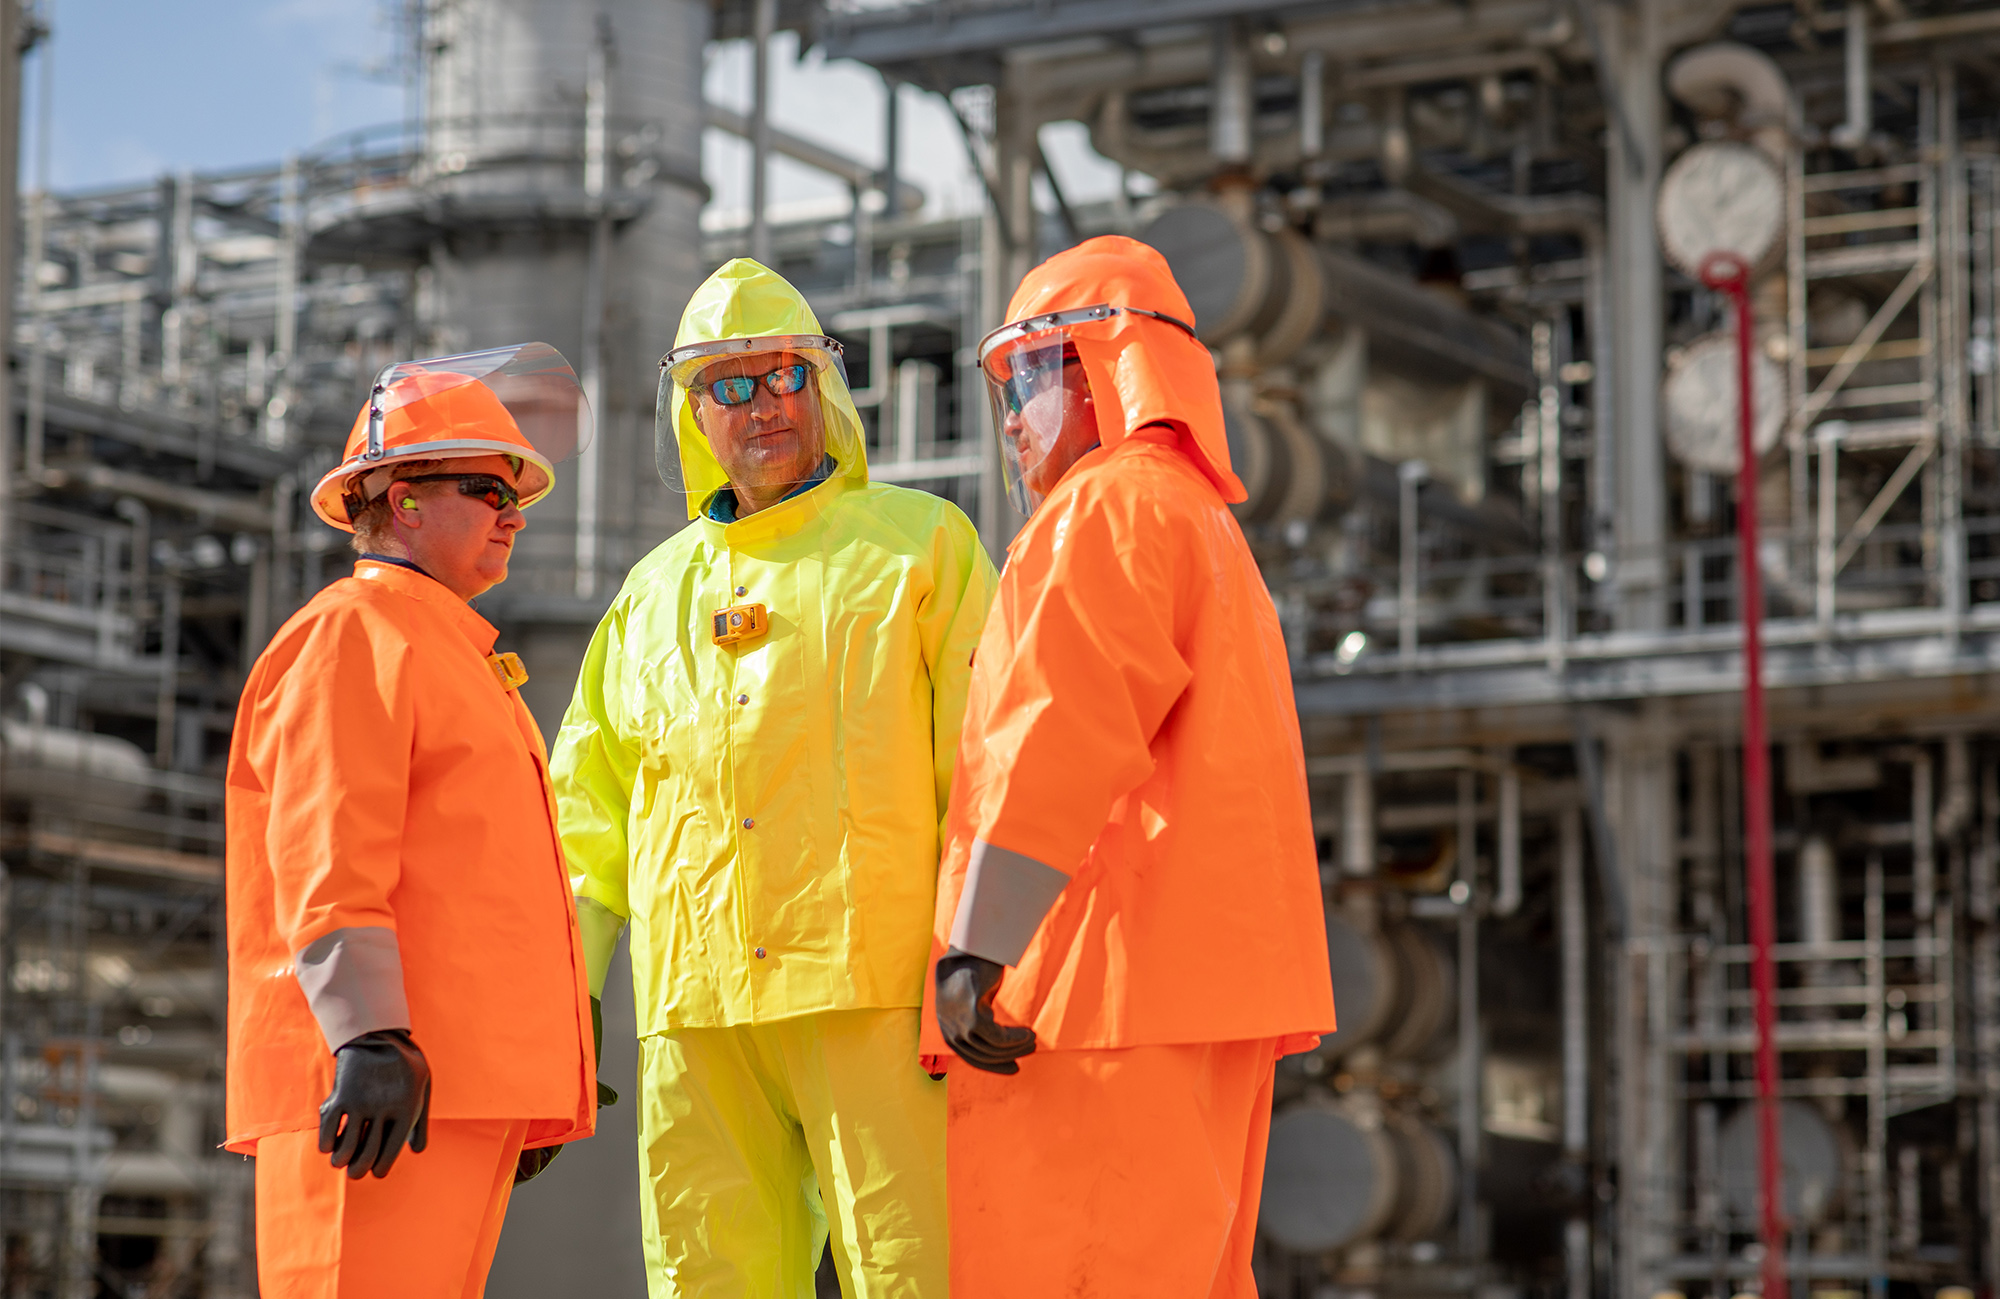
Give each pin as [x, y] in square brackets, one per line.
[592, 771]
[1067, 721]
[334, 746]
[950, 621]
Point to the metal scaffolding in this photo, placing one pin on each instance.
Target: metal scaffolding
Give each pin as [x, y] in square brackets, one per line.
[1422, 241]
[1466, 394]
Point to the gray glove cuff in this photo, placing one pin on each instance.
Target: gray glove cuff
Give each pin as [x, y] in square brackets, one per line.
[353, 981]
[1006, 895]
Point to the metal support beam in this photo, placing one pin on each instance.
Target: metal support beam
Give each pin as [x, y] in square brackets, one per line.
[1573, 942]
[1630, 418]
[764, 24]
[10, 168]
[596, 168]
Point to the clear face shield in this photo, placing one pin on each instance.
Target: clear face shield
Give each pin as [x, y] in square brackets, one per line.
[748, 412]
[1042, 406]
[538, 388]
[521, 402]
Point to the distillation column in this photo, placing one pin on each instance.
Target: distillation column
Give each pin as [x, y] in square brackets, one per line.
[562, 155]
[544, 118]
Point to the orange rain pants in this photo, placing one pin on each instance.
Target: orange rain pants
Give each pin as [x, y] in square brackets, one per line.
[426, 1231]
[1107, 1174]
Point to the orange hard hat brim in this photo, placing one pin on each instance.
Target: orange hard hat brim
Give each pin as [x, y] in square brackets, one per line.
[437, 415]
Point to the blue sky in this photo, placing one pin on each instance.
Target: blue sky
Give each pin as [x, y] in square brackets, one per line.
[145, 86]
[140, 87]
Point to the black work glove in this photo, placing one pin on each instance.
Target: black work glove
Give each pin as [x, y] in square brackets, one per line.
[532, 1162]
[965, 988]
[605, 1096]
[382, 1089]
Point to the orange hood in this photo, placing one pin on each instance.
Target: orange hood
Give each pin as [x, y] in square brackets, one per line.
[1142, 371]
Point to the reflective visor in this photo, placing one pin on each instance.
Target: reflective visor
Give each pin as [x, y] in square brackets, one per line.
[1042, 406]
[758, 403]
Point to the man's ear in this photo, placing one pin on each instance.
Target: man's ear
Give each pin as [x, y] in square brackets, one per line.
[403, 506]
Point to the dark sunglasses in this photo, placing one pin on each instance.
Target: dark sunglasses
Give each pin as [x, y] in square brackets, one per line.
[783, 382]
[496, 492]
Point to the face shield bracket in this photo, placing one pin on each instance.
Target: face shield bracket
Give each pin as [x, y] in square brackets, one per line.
[376, 413]
[1054, 320]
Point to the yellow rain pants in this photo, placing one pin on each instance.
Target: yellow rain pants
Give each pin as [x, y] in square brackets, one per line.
[754, 1140]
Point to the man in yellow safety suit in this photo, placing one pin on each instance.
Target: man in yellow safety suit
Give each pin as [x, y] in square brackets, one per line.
[753, 774]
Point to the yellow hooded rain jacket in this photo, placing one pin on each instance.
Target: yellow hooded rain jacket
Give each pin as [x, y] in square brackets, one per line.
[767, 814]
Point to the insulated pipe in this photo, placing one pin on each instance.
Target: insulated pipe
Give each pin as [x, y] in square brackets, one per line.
[35, 698]
[1230, 101]
[166, 700]
[764, 23]
[1357, 825]
[1410, 475]
[1954, 811]
[1507, 900]
[244, 512]
[1573, 937]
[10, 207]
[1471, 1063]
[892, 145]
[1860, 107]
[10, 1043]
[596, 167]
[1312, 104]
[1819, 893]
[1923, 839]
[1729, 82]
[854, 173]
[134, 512]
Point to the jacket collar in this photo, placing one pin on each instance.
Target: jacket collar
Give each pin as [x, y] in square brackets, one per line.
[722, 506]
[374, 558]
[776, 522]
[426, 590]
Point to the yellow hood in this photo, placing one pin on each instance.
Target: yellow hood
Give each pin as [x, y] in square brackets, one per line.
[744, 299]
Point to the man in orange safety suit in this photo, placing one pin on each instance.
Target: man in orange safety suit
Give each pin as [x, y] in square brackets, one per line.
[1129, 886]
[403, 957]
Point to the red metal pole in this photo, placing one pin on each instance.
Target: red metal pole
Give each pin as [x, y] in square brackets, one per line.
[1729, 274]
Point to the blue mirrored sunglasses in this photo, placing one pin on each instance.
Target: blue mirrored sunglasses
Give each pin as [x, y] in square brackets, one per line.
[738, 389]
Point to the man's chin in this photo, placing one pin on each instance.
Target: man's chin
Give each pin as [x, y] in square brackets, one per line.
[765, 478]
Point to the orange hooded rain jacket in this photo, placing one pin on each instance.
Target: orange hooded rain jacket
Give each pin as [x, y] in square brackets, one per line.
[382, 778]
[1130, 768]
